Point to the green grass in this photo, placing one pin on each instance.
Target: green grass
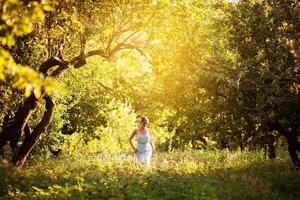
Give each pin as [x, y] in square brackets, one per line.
[177, 175]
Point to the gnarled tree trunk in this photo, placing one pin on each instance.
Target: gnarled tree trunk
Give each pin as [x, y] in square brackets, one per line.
[292, 139]
[21, 155]
[14, 131]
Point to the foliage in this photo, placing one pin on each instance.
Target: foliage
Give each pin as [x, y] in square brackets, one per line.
[190, 66]
[120, 120]
[209, 74]
[14, 23]
[265, 68]
[110, 137]
[176, 175]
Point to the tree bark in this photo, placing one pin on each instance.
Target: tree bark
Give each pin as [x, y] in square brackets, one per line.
[293, 147]
[271, 146]
[14, 132]
[292, 140]
[30, 141]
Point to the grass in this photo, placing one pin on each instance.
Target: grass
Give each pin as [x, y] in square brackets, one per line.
[178, 175]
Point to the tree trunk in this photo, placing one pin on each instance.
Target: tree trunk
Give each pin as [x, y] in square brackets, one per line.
[30, 141]
[14, 132]
[293, 147]
[292, 139]
[224, 144]
[271, 146]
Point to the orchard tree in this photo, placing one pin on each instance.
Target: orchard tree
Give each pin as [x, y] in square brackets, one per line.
[73, 32]
[264, 34]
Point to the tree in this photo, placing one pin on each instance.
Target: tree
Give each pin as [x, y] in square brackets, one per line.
[112, 25]
[267, 65]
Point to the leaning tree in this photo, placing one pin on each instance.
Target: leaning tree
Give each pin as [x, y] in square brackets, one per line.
[71, 33]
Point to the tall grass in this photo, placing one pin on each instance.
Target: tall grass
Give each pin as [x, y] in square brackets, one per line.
[175, 175]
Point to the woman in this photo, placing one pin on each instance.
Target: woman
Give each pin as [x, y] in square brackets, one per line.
[145, 144]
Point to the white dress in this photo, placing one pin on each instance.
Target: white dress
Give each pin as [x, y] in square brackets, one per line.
[144, 148]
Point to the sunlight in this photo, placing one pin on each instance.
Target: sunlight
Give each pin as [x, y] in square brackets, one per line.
[156, 99]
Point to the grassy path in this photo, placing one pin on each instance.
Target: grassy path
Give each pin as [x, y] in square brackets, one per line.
[177, 175]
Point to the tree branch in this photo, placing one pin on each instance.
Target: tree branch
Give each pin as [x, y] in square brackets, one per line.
[51, 62]
[276, 100]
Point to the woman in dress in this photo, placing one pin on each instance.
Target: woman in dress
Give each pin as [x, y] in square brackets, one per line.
[145, 145]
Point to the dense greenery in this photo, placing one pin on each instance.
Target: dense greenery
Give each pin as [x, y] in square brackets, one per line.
[176, 175]
[18, 20]
[217, 78]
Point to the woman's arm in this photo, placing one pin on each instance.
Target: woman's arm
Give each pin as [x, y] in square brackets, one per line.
[130, 140]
